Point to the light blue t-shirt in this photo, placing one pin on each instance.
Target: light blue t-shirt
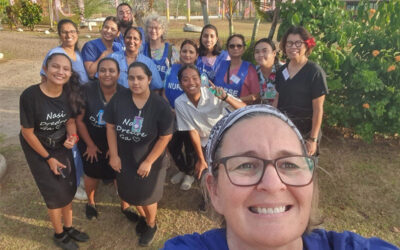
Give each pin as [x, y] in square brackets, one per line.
[120, 56]
[77, 65]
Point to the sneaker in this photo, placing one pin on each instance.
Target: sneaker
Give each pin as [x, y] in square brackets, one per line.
[65, 242]
[141, 226]
[76, 235]
[131, 215]
[91, 211]
[187, 182]
[177, 178]
[81, 194]
[148, 236]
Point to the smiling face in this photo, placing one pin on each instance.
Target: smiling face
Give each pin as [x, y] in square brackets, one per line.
[269, 214]
[264, 55]
[58, 70]
[236, 47]
[188, 54]
[293, 52]
[209, 39]
[108, 73]
[132, 41]
[109, 31]
[154, 31]
[139, 82]
[68, 35]
[191, 83]
[124, 16]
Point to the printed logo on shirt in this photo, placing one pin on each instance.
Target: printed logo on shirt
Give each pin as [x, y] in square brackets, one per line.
[54, 121]
[174, 86]
[126, 131]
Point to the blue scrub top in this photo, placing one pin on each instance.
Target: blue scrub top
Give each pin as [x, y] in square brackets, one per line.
[92, 50]
[120, 56]
[77, 65]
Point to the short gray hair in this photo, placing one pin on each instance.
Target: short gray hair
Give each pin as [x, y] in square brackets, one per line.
[156, 18]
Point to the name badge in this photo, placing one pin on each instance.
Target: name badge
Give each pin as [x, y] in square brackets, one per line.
[137, 124]
[204, 79]
[285, 73]
[235, 79]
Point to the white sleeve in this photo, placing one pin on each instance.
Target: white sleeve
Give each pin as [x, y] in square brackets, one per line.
[182, 118]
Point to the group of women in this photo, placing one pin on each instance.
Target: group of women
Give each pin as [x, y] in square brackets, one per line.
[121, 103]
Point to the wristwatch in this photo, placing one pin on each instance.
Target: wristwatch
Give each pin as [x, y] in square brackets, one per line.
[312, 139]
[47, 157]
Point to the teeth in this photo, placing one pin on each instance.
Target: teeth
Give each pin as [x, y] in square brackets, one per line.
[270, 210]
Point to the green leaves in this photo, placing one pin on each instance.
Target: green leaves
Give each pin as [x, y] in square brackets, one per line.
[360, 52]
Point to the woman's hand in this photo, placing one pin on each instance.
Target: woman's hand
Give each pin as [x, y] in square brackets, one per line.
[115, 163]
[54, 164]
[91, 153]
[199, 167]
[311, 147]
[219, 92]
[70, 141]
[144, 169]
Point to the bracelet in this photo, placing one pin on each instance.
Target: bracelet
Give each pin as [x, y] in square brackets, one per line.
[47, 157]
[226, 96]
[76, 136]
[313, 139]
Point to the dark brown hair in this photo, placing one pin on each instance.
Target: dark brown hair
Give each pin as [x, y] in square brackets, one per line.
[296, 30]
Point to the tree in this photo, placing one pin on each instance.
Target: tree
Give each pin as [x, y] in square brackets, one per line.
[204, 11]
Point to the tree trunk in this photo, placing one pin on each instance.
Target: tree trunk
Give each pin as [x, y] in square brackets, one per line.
[275, 19]
[81, 5]
[51, 15]
[205, 13]
[230, 17]
[255, 30]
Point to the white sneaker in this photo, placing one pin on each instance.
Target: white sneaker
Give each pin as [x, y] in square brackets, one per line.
[187, 182]
[80, 194]
[177, 178]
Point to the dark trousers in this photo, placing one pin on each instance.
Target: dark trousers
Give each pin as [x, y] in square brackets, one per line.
[181, 149]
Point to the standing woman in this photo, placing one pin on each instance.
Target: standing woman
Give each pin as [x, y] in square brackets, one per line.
[92, 129]
[184, 159]
[133, 40]
[68, 34]
[302, 87]
[162, 53]
[48, 134]
[267, 65]
[95, 50]
[238, 77]
[139, 127]
[210, 52]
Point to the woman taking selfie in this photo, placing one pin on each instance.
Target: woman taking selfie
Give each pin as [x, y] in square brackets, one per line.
[264, 184]
[48, 134]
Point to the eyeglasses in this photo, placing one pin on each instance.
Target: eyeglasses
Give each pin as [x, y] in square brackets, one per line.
[297, 43]
[72, 32]
[154, 28]
[232, 46]
[297, 170]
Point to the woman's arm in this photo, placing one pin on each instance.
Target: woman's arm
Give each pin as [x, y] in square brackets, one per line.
[156, 151]
[37, 146]
[221, 94]
[201, 163]
[115, 161]
[318, 112]
[91, 148]
[91, 66]
[72, 137]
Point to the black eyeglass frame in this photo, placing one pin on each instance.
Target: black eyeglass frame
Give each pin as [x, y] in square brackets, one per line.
[294, 43]
[266, 162]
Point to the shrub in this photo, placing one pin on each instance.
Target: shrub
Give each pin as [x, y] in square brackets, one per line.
[361, 56]
[29, 14]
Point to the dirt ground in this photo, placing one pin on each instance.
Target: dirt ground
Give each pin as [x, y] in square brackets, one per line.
[360, 193]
